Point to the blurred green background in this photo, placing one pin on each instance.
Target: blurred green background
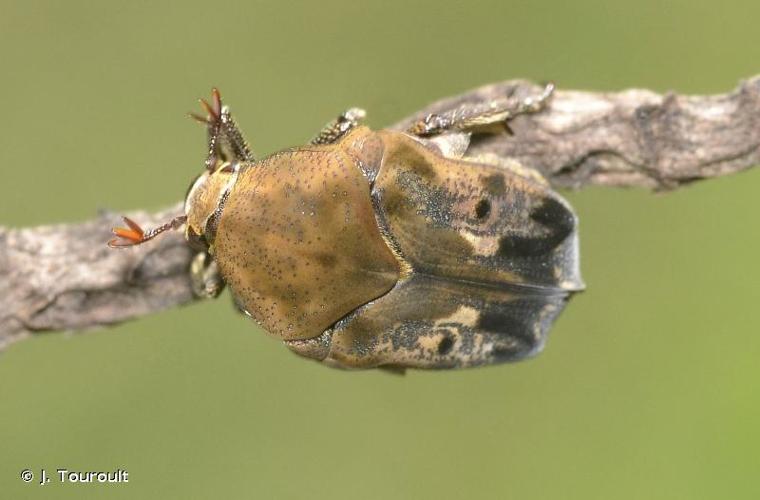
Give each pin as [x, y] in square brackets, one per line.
[647, 388]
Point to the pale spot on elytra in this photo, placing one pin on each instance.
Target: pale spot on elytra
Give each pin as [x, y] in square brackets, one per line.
[464, 315]
[481, 245]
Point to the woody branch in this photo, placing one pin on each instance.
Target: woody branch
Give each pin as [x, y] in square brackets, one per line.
[64, 278]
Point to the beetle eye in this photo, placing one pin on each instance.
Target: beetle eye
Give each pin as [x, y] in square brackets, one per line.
[196, 241]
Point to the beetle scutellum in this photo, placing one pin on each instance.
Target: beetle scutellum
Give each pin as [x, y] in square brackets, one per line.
[382, 249]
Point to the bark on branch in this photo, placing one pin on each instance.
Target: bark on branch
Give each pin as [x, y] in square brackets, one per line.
[630, 138]
[63, 277]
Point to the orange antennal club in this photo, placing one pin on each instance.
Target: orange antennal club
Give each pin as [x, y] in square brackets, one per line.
[133, 234]
[214, 109]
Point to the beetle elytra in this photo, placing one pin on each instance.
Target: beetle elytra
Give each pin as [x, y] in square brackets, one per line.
[382, 248]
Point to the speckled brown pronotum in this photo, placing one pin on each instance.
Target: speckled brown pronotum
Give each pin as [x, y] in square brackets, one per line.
[382, 249]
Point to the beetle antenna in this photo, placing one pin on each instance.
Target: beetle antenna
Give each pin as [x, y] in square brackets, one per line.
[213, 121]
[133, 234]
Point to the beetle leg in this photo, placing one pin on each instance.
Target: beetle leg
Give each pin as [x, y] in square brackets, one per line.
[339, 127]
[467, 118]
[225, 140]
[205, 279]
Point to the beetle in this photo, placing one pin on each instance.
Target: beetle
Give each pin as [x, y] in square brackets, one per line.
[386, 248]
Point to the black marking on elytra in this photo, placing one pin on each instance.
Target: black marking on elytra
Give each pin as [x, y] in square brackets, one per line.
[445, 345]
[555, 218]
[495, 321]
[524, 246]
[482, 209]
[507, 326]
[554, 214]
[501, 322]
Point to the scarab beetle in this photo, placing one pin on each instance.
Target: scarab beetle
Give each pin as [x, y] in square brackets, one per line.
[382, 248]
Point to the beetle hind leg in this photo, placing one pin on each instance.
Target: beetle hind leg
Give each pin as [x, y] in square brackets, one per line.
[205, 278]
[469, 118]
[339, 127]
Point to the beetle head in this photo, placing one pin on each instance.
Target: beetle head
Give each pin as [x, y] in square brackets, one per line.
[207, 193]
[204, 203]
[203, 206]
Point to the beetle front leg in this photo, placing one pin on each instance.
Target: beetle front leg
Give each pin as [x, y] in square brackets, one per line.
[339, 127]
[468, 118]
[225, 140]
[205, 279]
